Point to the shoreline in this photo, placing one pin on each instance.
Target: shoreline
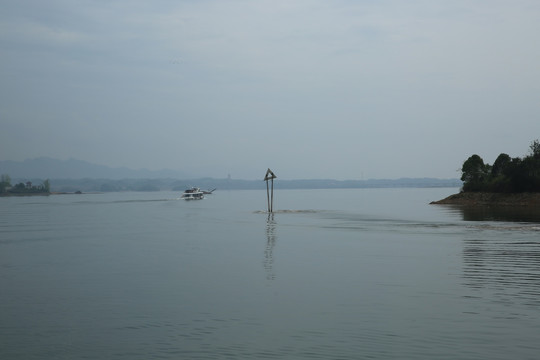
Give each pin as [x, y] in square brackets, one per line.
[42, 194]
[24, 194]
[491, 199]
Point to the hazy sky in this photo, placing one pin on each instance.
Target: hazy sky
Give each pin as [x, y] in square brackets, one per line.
[312, 89]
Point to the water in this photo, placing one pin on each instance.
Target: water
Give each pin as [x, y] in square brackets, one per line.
[332, 274]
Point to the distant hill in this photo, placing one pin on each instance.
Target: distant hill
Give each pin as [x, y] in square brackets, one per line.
[76, 175]
[111, 185]
[48, 168]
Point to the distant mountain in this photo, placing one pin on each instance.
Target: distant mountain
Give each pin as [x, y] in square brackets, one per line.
[76, 175]
[371, 183]
[48, 168]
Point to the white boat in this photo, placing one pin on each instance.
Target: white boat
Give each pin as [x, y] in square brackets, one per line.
[193, 194]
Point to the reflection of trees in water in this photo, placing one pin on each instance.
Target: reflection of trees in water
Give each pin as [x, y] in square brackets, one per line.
[507, 260]
[499, 213]
[270, 243]
[509, 265]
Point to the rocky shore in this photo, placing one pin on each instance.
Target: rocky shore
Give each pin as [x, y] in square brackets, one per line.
[491, 199]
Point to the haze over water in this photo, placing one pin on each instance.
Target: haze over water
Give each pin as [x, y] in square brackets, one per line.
[332, 274]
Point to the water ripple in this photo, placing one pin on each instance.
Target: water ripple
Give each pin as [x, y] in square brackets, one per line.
[510, 267]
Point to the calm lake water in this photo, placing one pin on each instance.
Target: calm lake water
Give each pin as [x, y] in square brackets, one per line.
[332, 274]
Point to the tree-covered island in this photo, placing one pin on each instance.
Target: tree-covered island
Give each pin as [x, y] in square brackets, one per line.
[23, 188]
[509, 181]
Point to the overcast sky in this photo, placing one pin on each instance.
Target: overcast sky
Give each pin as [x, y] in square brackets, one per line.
[312, 89]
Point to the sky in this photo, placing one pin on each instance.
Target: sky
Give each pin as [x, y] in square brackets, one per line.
[339, 89]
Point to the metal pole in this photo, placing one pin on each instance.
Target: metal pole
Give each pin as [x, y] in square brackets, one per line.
[268, 197]
[269, 176]
[272, 201]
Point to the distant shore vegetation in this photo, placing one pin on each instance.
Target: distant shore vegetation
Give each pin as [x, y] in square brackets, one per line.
[506, 175]
[23, 188]
[95, 185]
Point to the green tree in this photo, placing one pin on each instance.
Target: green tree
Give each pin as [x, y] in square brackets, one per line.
[535, 149]
[500, 165]
[474, 173]
[5, 182]
[506, 175]
[499, 178]
[535, 161]
[530, 169]
[20, 187]
[47, 185]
